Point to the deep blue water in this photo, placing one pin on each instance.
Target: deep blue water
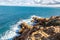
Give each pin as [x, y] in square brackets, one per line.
[10, 15]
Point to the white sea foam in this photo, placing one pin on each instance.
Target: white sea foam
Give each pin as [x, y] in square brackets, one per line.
[35, 16]
[12, 32]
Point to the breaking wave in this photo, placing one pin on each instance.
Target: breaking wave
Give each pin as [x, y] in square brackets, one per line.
[12, 32]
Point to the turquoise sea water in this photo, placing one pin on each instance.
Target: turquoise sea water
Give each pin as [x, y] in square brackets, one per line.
[10, 15]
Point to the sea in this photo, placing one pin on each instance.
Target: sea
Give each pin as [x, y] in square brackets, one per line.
[12, 16]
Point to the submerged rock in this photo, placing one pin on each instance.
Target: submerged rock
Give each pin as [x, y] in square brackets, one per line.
[43, 29]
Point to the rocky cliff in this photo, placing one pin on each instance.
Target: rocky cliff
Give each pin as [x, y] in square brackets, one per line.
[41, 29]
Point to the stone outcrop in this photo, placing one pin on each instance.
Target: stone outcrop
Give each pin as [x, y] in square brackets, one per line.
[41, 29]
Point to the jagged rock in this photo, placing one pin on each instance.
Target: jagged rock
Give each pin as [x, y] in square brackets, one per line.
[43, 29]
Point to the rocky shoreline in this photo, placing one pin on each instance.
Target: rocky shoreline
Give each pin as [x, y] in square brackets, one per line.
[41, 29]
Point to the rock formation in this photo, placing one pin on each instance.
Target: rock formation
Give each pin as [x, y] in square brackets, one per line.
[41, 29]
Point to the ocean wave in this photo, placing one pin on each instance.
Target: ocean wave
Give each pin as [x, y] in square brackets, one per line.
[12, 32]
